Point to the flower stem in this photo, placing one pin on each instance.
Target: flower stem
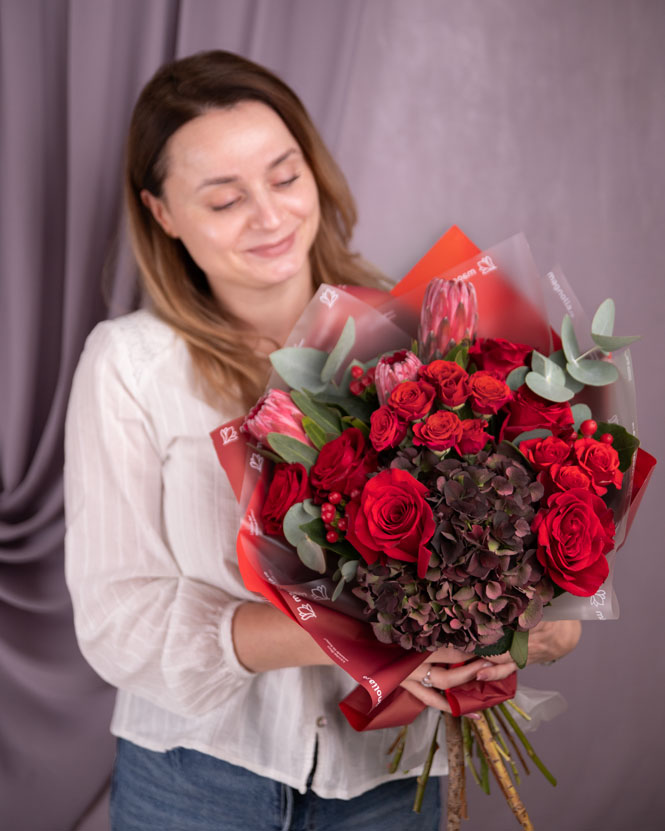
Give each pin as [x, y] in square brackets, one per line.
[424, 776]
[397, 747]
[527, 745]
[456, 807]
[512, 741]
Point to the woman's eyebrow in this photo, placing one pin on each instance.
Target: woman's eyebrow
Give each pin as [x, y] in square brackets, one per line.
[226, 180]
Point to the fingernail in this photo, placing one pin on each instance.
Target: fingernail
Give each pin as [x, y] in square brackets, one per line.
[487, 664]
[473, 715]
[482, 675]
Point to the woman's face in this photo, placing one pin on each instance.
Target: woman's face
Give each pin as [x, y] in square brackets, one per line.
[241, 198]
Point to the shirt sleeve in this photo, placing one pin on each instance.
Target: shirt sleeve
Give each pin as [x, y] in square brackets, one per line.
[141, 624]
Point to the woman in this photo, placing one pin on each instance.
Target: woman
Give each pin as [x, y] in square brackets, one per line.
[226, 714]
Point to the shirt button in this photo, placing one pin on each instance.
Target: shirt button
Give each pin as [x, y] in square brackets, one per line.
[322, 721]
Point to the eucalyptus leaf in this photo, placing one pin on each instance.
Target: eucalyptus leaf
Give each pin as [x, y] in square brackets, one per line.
[311, 508]
[547, 389]
[593, 373]
[292, 450]
[353, 405]
[315, 433]
[300, 367]
[611, 343]
[581, 412]
[340, 351]
[549, 369]
[603, 320]
[571, 348]
[538, 433]
[323, 415]
[519, 648]
[293, 519]
[338, 590]
[560, 360]
[516, 378]
[312, 555]
[624, 443]
[349, 569]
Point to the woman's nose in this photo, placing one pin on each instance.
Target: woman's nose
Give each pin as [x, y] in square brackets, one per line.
[266, 212]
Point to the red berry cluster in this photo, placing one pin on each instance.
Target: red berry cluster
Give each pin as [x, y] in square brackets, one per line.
[589, 427]
[361, 379]
[333, 514]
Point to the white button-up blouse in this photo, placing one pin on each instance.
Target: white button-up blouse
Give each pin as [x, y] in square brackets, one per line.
[151, 567]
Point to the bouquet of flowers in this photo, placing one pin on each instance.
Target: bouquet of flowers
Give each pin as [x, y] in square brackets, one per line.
[428, 483]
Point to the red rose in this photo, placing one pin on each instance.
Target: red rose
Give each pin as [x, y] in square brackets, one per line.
[412, 399]
[450, 380]
[542, 453]
[600, 461]
[440, 431]
[474, 436]
[528, 411]
[289, 485]
[386, 429]
[563, 478]
[392, 519]
[498, 355]
[574, 532]
[487, 393]
[343, 465]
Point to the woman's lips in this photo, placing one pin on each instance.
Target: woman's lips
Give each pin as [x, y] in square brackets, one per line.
[276, 249]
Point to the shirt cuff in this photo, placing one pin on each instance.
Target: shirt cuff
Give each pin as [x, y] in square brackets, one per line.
[225, 640]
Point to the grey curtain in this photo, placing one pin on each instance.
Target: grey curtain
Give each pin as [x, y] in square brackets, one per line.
[498, 115]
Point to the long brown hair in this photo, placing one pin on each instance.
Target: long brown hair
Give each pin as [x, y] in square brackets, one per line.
[179, 92]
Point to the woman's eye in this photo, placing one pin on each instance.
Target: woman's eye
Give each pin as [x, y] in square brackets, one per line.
[225, 206]
[289, 181]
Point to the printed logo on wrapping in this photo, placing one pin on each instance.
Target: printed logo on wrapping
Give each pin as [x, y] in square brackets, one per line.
[329, 297]
[598, 599]
[377, 689]
[256, 461]
[228, 434]
[306, 611]
[270, 577]
[254, 527]
[486, 265]
[561, 294]
[320, 593]
[613, 419]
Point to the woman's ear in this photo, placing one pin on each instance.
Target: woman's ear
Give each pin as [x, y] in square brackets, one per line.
[160, 212]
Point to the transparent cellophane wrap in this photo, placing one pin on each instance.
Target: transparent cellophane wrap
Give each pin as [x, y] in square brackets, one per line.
[515, 303]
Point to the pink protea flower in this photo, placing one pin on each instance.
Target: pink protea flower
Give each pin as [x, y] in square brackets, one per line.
[275, 413]
[391, 370]
[447, 317]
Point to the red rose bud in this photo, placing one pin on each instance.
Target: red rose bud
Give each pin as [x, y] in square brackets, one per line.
[448, 316]
[412, 400]
[542, 453]
[386, 429]
[343, 464]
[474, 437]
[450, 380]
[528, 411]
[392, 369]
[487, 393]
[275, 413]
[574, 533]
[600, 462]
[498, 355]
[392, 519]
[441, 431]
[289, 485]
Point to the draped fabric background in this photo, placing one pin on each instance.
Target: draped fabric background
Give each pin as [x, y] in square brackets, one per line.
[545, 116]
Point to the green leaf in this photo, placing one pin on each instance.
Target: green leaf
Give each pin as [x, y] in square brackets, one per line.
[311, 508]
[315, 433]
[324, 416]
[560, 360]
[550, 370]
[315, 529]
[338, 590]
[519, 648]
[538, 433]
[624, 443]
[352, 405]
[516, 378]
[581, 412]
[498, 648]
[547, 389]
[593, 373]
[349, 569]
[571, 348]
[293, 519]
[292, 450]
[263, 451]
[312, 555]
[603, 320]
[300, 366]
[611, 344]
[357, 423]
[339, 351]
[459, 354]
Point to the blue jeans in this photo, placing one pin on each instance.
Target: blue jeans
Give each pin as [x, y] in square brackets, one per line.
[184, 790]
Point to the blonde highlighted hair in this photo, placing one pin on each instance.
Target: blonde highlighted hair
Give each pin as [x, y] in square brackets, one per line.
[179, 92]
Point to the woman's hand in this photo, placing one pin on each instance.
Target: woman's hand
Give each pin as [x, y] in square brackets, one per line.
[548, 641]
[436, 670]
